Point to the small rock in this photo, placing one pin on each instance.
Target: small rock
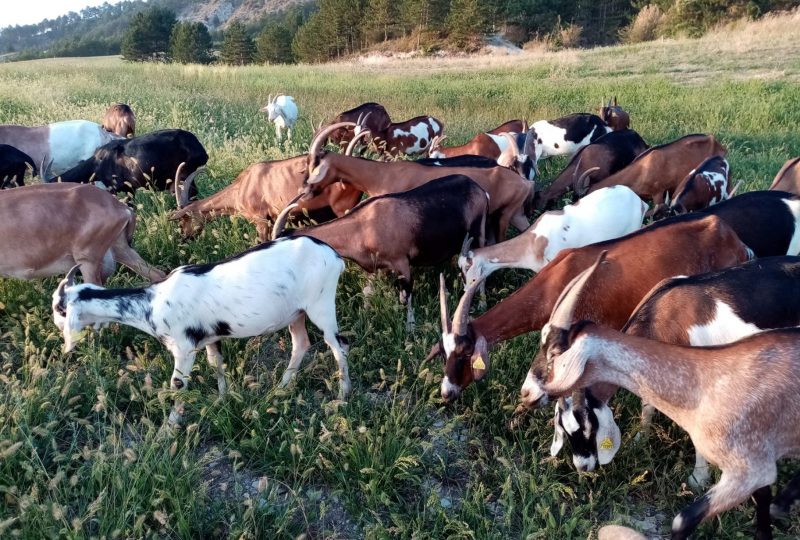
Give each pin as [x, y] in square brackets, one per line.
[445, 502]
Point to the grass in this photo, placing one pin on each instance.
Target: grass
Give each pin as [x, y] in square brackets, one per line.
[80, 451]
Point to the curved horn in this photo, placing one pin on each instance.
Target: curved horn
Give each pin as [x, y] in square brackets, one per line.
[177, 186]
[565, 306]
[322, 136]
[443, 305]
[280, 221]
[187, 186]
[577, 185]
[461, 316]
[354, 141]
[68, 281]
[466, 245]
[667, 201]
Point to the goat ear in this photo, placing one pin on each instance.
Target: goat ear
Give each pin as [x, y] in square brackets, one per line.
[480, 359]
[608, 436]
[558, 431]
[72, 329]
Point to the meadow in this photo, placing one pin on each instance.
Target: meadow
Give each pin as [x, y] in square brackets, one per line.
[81, 453]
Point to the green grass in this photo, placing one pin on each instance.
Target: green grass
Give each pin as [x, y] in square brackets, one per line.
[80, 450]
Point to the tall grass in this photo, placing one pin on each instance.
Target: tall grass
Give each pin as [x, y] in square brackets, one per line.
[81, 454]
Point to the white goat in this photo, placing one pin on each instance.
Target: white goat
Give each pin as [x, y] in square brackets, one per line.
[264, 289]
[615, 212]
[281, 111]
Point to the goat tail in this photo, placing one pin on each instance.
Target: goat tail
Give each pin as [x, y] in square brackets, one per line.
[280, 221]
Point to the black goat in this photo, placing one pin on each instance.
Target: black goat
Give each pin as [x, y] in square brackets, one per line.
[13, 164]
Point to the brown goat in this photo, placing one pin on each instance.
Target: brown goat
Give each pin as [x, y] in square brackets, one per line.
[660, 169]
[788, 178]
[489, 144]
[704, 186]
[613, 115]
[120, 120]
[94, 230]
[637, 262]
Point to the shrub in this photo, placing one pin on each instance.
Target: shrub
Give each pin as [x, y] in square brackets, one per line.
[646, 26]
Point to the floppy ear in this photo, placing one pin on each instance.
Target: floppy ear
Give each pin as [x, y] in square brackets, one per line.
[558, 435]
[480, 359]
[608, 436]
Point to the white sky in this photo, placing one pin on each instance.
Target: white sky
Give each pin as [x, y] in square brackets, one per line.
[14, 12]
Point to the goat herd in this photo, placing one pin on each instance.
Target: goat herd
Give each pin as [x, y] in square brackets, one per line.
[686, 312]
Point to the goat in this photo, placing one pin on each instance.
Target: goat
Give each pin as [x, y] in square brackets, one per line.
[605, 156]
[282, 112]
[373, 117]
[788, 178]
[120, 120]
[145, 161]
[509, 158]
[261, 290]
[92, 229]
[641, 259]
[57, 147]
[509, 194]
[704, 186]
[489, 144]
[658, 170]
[259, 194]
[435, 217]
[707, 309]
[603, 215]
[563, 136]
[13, 165]
[408, 138]
[613, 115]
[738, 402]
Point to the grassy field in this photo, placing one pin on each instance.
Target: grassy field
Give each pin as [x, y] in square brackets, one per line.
[80, 452]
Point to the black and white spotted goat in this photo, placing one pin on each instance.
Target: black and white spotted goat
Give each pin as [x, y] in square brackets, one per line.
[264, 289]
[563, 136]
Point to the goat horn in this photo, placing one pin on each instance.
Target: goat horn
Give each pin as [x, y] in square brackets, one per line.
[322, 135]
[512, 142]
[564, 309]
[69, 280]
[187, 186]
[466, 245]
[667, 199]
[178, 198]
[461, 316]
[443, 305]
[354, 141]
[579, 182]
[280, 221]
[735, 188]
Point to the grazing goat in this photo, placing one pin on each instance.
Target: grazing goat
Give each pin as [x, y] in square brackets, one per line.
[707, 309]
[57, 147]
[93, 229]
[259, 194]
[282, 112]
[738, 402]
[261, 290]
[640, 260]
[408, 138]
[704, 186]
[146, 161]
[435, 218]
[563, 136]
[489, 144]
[509, 194]
[13, 165]
[788, 178]
[608, 154]
[373, 117]
[613, 115]
[119, 120]
[659, 170]
[603, 215]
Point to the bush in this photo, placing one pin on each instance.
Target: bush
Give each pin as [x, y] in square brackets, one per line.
[646, 26]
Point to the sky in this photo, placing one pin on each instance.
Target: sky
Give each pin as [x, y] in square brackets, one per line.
[14, 12]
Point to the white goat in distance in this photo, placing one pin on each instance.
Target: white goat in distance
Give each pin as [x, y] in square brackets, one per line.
[281, 111]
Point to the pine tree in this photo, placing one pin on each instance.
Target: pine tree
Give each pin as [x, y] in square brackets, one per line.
[465, 22]
[148, 36]
[381, 16]
[275, 45]
[190, 43]
[237, 47]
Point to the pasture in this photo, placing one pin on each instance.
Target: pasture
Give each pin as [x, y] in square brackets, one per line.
[80, 450]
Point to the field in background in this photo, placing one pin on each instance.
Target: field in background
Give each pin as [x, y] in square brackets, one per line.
[80, 453]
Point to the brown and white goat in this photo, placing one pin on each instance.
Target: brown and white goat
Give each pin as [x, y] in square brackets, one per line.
[608, 154]
[660, 169]
[423, 226]
[120, 120]
[92, 228]
[704, 186]
[613, 115]
[262, 191]
[641, 259]
[738, 402]
[788, 178]
[489, 144]
[408, 138]
[372, 116]
[509, 193]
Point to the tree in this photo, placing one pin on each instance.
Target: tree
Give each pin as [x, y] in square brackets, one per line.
[465, 22]
[148, 35]
[238, 48]
[190, 43]
[274, 45]
[380, 18]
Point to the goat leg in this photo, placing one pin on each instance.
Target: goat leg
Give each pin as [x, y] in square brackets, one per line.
[782, 504]
[216, 361]
[762, 497]
[300, 345]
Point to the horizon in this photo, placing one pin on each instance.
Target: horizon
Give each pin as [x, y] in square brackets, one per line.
[31, 12]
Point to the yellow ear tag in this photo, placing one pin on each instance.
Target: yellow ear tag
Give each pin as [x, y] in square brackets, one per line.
[315, 171]
[607, 444]
[478, 363]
